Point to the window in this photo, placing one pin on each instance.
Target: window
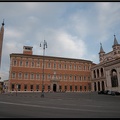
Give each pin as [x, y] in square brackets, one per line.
[54, 77]
[88, 77]
[31, 87]
[70, 77]
[80, 78]
[70, 87]
[75, 77]
[49, 76]
[60, 77]
[89, 67]
[65, 87]
[15, 62]
[26, 63]
[38, 64]
[54, 65]
[13, 87]
[19, 87]
[84, 67]
[79, 67]
[65, 77]
[75, 88]
[13, 75]
[32, 64]
[38, 76]
[60, 87]
[32, 76]
[74, 67]
[26, 75]
[48, 87]
[20, 75]
[49, 65]
[20, 63]
[60, 66]
[70, 67]
[85, 88]
[25, 87]
[65, 66]
[37, 87]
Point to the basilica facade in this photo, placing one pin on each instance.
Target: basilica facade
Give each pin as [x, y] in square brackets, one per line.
[106, 74]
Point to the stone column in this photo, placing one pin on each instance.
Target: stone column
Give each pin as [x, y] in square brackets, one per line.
[96, 73]
[97, 86]
[108, 79]
[99, 72]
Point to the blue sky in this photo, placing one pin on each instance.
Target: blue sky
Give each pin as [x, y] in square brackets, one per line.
[71, 29]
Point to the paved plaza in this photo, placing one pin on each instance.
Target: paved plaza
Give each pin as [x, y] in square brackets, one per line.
[59, 105]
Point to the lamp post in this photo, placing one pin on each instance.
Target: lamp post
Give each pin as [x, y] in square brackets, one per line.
[16, 89]
[44, 46]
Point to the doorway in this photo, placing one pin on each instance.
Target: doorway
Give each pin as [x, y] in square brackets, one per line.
[54, 87]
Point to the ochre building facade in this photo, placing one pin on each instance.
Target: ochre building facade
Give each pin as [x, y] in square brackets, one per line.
[60, 74]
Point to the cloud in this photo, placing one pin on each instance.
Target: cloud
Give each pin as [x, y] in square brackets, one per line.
[11, 32]
[64, 44]
[60, 43]
[108, 19]
[3, 75]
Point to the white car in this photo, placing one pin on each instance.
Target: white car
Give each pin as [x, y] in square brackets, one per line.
[111, 92]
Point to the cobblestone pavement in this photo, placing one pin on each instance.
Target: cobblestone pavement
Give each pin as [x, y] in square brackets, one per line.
[59, 105]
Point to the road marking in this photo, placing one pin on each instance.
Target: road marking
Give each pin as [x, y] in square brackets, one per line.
[50, 107]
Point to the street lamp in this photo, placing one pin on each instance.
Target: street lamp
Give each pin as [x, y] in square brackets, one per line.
[44, 46]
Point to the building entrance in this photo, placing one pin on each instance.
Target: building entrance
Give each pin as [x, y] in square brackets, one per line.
[54, 87]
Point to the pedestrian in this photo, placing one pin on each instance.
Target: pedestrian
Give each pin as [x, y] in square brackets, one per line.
[42, 94]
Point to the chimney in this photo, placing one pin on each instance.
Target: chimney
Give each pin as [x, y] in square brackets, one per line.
[27, 50]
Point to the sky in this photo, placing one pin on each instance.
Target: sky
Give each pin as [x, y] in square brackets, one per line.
[71, 29]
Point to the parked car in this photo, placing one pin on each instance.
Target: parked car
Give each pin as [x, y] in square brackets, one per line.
[113, 93]
[101, 92]
[109, 92]
[116, 92]
[106, 92]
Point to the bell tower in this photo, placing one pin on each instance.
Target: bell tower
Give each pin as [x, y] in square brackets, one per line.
[101, 53]
[116, 48]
